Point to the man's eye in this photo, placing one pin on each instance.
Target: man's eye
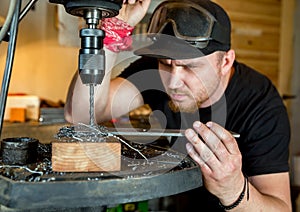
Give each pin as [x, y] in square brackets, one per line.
[191, 66]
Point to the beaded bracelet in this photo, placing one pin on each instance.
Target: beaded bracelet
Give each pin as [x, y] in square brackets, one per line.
[239, 200]
[117, 34]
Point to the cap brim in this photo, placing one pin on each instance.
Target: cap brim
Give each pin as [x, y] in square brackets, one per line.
[166, 46]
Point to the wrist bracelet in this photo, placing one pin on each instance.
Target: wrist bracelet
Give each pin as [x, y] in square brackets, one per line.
[239, 200]
[117, 34]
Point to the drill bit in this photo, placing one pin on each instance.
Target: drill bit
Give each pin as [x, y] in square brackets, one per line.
[92, 105]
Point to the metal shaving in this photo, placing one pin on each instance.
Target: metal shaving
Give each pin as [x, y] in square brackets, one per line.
[82, 132]
[22, 167]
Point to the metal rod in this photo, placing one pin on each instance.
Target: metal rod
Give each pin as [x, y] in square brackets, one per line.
[5, 34]
[9, 62]
[26, 9]
[5, 28]
[152, 132]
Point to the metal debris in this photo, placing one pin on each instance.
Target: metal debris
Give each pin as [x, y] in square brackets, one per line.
[137, 159]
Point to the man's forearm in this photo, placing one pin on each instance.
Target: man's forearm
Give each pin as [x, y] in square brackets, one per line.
[256, 201]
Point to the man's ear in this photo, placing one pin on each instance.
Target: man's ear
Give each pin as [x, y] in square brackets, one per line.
[228, 61]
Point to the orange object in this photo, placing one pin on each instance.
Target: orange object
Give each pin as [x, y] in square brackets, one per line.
[17, 115]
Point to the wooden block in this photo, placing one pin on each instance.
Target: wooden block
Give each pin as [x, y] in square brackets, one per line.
[17, 115]
[86, 156]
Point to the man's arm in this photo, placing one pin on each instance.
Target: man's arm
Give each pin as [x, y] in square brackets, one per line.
[270, 192]
[123, 97]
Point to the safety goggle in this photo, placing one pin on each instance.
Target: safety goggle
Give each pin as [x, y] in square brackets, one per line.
[189, 22]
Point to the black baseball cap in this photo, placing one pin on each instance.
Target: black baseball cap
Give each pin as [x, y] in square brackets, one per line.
[187, 29]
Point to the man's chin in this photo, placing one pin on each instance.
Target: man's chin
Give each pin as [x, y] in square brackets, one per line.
[184, 109]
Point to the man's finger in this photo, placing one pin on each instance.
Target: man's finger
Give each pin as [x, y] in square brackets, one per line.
[212, 141]
[225, 136]
[201, 150]
[196, 157]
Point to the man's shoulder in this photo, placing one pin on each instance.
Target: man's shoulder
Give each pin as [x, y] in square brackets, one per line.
[247, 77]
[252, 88]
[248, 72]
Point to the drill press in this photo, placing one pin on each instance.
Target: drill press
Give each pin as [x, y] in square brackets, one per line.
[91, 62]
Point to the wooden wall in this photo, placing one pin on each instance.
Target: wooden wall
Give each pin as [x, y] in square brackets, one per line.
[256, 33]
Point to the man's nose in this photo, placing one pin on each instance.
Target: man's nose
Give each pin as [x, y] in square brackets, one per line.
[175, 78]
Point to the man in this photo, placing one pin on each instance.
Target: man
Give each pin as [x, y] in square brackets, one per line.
[199, 86]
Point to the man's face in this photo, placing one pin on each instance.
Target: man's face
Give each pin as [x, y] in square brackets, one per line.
[190, 83]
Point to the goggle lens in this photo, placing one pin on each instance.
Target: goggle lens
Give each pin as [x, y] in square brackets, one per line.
[179, 15]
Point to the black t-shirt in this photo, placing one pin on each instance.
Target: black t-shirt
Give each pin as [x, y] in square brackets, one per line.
[251, 106]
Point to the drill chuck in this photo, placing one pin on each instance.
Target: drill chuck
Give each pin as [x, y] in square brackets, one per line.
[91, 56]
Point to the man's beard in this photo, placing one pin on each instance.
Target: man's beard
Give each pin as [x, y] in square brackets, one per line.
[187, 109]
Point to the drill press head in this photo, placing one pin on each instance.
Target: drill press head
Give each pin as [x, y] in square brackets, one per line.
[91, 61]
[108, 8]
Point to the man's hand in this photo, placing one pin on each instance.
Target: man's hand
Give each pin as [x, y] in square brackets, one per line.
[217, 153]
[133, 11]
